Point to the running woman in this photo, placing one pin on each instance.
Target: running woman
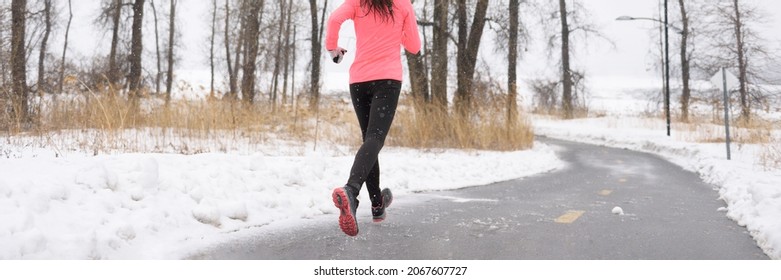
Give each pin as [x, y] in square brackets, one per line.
[381, 28]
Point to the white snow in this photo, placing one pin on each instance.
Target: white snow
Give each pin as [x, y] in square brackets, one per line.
[617, 210]
[151, 206]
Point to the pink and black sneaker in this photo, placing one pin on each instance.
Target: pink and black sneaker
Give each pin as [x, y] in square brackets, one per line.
[378, 213]
[345, 198]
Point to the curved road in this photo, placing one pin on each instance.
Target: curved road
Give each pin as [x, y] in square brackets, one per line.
[669, 213]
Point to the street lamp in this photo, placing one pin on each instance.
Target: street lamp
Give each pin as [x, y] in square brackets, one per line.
[666, 57]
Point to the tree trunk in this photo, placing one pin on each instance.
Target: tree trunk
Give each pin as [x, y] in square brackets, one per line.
[239, 53]
[4, 61]
[685, 74]
[211, 48]
[136, 48]
[113, 68]
[170, 54]
[287, 52]
[157, 48]
[231, 77]
[566, 75]
[65, 47]
[278, 55]
[512, 61]
[314, 87]
[251, 33]
[18, 61]
[47, 4]
[467, 52]
[293, 67]
[463, 35]
[742, 64]
[418, 76]
[439, 58]
[418, 72]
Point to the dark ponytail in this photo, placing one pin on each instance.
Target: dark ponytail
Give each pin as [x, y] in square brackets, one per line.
[382, 8]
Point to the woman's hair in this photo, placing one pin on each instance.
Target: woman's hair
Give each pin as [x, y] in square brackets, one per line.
[382, 8]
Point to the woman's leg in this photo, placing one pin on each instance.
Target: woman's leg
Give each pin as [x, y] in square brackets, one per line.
[375, 106]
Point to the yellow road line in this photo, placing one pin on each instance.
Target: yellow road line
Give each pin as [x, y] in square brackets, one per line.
[569, 217]
[605, 192]
[622, 180]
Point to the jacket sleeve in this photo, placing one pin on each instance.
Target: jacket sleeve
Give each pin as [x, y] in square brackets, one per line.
[340, 15]
[410, 37]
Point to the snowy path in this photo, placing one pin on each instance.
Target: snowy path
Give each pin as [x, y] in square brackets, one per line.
[666, 213]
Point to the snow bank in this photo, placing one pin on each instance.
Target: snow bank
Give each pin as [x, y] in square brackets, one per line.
[150, 206]
[752, 193]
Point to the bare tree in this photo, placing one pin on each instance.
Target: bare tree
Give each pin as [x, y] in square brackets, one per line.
[566, 74]
[47, 18]
[418, 68]
[251, 31]
[469, 39]
[317, 36]
[512, 62]
[234, 25]
[418, 76]
[240, 51]
[289, 47]
[439, 54]
[18, 61]
[211, 48]
[170, 53]
[136, 48]
[571, 21]
[65, 47]
[157, 47]
[511, 37]
[685, 64]
[735, 43]
[4, 46]
[115, 9]
[278, 54]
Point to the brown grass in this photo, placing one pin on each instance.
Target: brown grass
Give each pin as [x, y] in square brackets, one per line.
[770, 155]
[706, 130]
[423, 125]
[102, 123]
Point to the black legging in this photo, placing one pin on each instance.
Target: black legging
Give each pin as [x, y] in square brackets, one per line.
[375, 105]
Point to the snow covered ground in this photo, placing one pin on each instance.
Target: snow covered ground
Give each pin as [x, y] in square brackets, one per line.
[160, 206]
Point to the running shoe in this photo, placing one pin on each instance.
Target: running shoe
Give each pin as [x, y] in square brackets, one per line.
[345, 198]
[378, 213]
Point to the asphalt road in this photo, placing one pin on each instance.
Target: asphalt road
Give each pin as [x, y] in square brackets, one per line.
[668, 213]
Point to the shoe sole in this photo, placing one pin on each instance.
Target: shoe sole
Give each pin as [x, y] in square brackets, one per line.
[346, 219]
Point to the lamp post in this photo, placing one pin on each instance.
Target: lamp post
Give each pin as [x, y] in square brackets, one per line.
[666, 58]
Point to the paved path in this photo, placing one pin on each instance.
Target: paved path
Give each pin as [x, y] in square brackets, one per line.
[669, 213]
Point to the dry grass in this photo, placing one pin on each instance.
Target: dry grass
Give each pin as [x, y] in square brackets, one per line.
[423, 125]
[761, 132]
[770, 155]
[104, 123]
[702, 130]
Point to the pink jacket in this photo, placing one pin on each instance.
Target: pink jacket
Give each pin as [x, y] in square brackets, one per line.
[378, 52]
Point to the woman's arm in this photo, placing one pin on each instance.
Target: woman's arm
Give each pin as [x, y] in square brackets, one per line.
[340, 15]
[410, 37]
